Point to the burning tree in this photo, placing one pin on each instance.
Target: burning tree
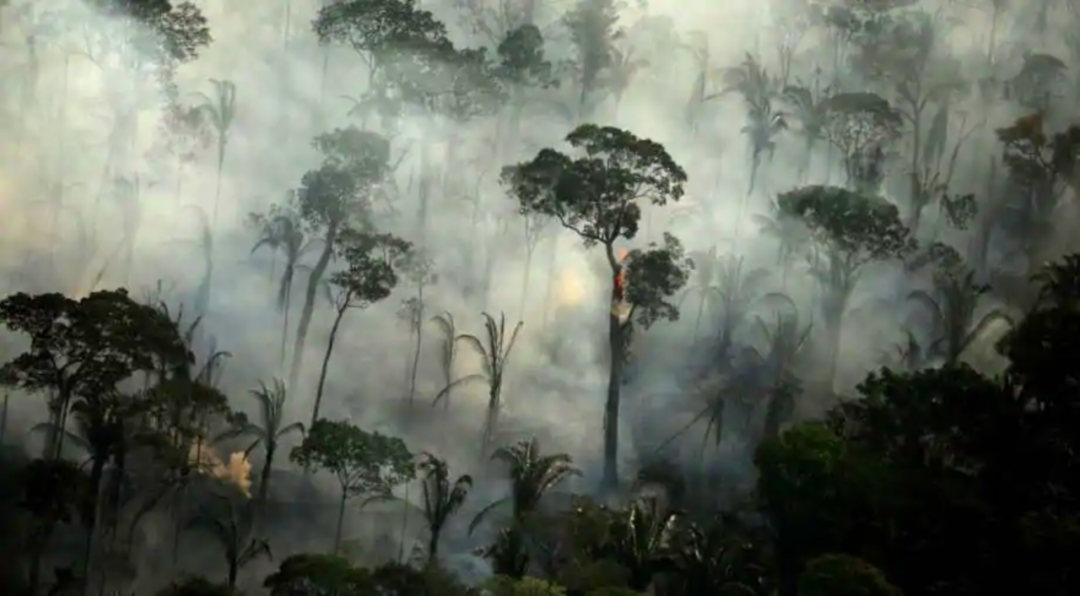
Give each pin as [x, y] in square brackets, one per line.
[598, 196]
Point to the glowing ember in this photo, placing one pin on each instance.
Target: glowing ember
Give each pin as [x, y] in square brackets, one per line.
[620, 277]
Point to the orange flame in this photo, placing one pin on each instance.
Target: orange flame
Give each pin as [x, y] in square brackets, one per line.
[620, 277]
[237, 471]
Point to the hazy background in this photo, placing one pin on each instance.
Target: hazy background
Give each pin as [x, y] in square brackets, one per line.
[60, 152]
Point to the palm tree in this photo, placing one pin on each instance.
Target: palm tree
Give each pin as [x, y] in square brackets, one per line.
[789, 233]
[786, 340]
[641, 540]
[620, 73]
[737, 290]
[764, 123]
[204, 240]
[700, 93]
[448, 349]
[220, 112]
[494, 354]
[272, 430]
[231, 525]
[442, 498]
[532, 475]
[284, 231]
[806, 108]
[952, 308]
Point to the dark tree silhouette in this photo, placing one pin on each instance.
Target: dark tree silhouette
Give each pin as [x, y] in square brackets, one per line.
[600, 197]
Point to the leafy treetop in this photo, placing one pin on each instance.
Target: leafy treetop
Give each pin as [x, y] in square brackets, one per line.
[860, 227]
[597, 196]
[366, 464]
[373, 261]
[354, 163]
[653, 276]
[83, 348]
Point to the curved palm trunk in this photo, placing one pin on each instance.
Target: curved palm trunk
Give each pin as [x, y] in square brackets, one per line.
[264, 477]
[222, 145]
[309, 303]
[326, 364]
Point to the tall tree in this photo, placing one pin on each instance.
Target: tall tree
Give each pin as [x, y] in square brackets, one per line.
[593, 26]
[220, 113]
[600, 197]
[368, 465]
[373, 262]
[758, 89]
[268, 432]
[851, 230]
[494, 353]
[332, 197]
[282, 226]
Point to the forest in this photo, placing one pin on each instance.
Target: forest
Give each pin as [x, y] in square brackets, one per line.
[539, 297]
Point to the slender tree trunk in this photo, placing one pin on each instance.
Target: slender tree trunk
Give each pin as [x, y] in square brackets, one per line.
[4, 418]
[309, 304]
[418, 331]
[326, 364]
[525, 279]
[97, 470]
[550, 289]
[340, 522]
[287, 304]
[610, 478]
[234, 570]
[433, 544]
[264, 478]
[222, 145]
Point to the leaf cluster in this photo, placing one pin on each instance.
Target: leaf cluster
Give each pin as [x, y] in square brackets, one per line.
[860, 227]
[597, 196]
[373, 261]
[84, 348]
[367, 464]
[354, 163]
[653, 276]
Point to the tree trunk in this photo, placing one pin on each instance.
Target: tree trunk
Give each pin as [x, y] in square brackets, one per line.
[97, 470]
[340, 522]
[418, 331]
[433, 544]
[285, 322]
[222, 145]
[610, 478]
[4, 418]
[309, 303]
[326, 364]
[234, 570]
[264, 478]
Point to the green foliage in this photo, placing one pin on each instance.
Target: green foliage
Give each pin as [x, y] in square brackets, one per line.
[365, 464]
[318, 575]
[859, 227]
[160, 30]
[354, 162]
[844, 575]
[83, 348]
[653, 276]
[373, 262]
[597, 196]
[521, 58]
[501, 585]
[197, 586]
[379, 29]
